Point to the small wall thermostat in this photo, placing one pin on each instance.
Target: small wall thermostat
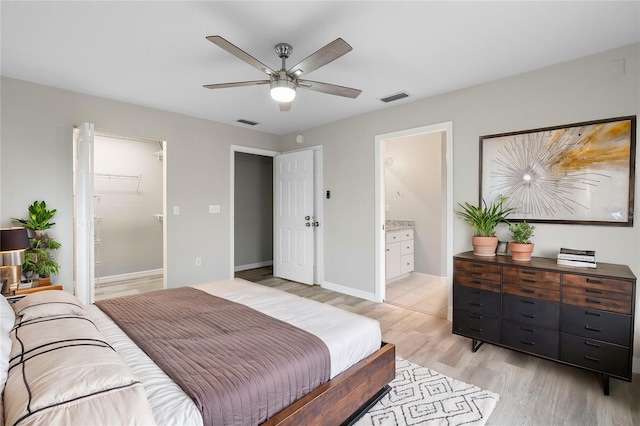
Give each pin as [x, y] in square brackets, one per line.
[299, 138]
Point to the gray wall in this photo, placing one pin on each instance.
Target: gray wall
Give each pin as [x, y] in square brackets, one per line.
[416, 173]
[130, 236]
[37, 165]
[253, 209]
[575, 91]
[36, 142]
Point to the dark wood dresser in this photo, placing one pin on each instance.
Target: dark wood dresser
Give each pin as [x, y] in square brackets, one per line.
[577, 316]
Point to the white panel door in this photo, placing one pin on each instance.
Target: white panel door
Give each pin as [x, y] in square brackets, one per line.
[294, 222]
[83, 216]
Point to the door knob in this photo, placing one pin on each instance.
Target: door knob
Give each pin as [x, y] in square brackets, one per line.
[307, 224]
[307, 218]
[315, 224]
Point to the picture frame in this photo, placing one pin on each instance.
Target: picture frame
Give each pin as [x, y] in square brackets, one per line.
[502, 247]
[580, 173]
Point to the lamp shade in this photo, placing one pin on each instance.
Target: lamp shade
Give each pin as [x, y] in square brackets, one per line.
[12, 239]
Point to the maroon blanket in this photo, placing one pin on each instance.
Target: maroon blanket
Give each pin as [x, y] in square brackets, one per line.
[238, 365]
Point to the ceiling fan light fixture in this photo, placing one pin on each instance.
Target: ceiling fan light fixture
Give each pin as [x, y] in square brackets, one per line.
[283, 90]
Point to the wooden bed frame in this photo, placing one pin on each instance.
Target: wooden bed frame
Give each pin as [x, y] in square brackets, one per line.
[342, 399]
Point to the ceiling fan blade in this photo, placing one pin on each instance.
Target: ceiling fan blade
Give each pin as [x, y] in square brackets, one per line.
[241, 54]
[236, 84]
[328, 53]
[331, 89]
[285, 106]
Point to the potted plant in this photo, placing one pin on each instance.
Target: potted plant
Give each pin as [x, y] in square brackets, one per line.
[484, 219]
[38, 258]
[521, 246]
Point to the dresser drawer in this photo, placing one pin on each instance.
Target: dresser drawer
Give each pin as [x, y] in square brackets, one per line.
[477, 267]
[596, 324]
[478, 301]
[573, 296]
[406, 247]
[596, 355]
[532, 277]
[476, 326]
[598, 283]
[478, 283]
[532, 312]
[533, 292]
[531, 339]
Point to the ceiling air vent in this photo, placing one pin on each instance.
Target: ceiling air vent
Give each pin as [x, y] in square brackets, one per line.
[250, 123]
[395, 97]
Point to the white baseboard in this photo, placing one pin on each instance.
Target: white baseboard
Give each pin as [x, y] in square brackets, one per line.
[349, 291]
[636, 365]
[252, 265]
[130, 276]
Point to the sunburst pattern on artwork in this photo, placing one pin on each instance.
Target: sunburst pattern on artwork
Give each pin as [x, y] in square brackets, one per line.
[553, 172]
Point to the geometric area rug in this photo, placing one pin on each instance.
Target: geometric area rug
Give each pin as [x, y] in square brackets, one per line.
[420, 396]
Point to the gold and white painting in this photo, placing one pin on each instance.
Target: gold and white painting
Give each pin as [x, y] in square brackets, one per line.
[577, 173]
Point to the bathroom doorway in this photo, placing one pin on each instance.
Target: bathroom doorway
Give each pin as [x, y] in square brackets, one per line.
[413, 210]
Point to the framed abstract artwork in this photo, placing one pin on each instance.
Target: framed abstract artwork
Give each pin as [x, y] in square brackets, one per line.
[581, 173]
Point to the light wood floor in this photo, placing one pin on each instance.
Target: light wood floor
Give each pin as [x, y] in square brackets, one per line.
[127, 287]
[532, 391]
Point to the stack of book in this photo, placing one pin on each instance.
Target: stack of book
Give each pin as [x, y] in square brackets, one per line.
[573, 257]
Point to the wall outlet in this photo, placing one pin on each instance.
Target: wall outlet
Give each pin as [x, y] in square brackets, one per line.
[198, 261]
[176, 210]
[214, 208]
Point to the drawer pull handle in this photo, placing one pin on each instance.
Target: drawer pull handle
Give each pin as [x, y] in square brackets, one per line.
[595, 314]
[476, 282]
[528, 290]
[476, 316]
[593, 345]
[477, 265]
[592, 328]
[476, 273]
[527, 315]
[590, 358]
[530, 330]
[529, 302]
[594, 281]
[527, 280]
[475, 304]
[528, 272]
[479, 330]
[590, 300]
[527, 343]
[590, 290]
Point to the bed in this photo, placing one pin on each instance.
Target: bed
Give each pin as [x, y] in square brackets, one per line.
[360, 367]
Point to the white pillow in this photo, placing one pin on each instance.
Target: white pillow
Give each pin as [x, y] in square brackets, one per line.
[48, 303]
[7, 320]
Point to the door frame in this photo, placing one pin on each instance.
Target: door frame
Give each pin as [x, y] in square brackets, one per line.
[318, 185]
[86, 291]
[447, 242]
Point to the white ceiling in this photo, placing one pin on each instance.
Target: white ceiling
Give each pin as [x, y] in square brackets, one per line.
[154, 53]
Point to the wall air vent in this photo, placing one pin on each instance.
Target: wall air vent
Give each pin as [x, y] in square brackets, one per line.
[250, 123]
[395, 97]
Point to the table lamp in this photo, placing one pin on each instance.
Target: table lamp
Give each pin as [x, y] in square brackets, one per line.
[13, 242]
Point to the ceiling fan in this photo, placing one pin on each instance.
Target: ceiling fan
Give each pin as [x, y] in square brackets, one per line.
[285, 82]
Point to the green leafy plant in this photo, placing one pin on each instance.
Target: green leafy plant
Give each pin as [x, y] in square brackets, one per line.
[39, 217]
[38, 258]
[521, 232]
[484, 218]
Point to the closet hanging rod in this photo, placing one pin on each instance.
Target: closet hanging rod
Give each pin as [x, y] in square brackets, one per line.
[110, 176]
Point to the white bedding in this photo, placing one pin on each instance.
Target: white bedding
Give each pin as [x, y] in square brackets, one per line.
[349, 337]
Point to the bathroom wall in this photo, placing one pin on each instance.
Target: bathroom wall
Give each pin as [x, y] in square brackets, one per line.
[413, 188]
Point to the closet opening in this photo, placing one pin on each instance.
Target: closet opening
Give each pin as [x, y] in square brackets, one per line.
[128, 214]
